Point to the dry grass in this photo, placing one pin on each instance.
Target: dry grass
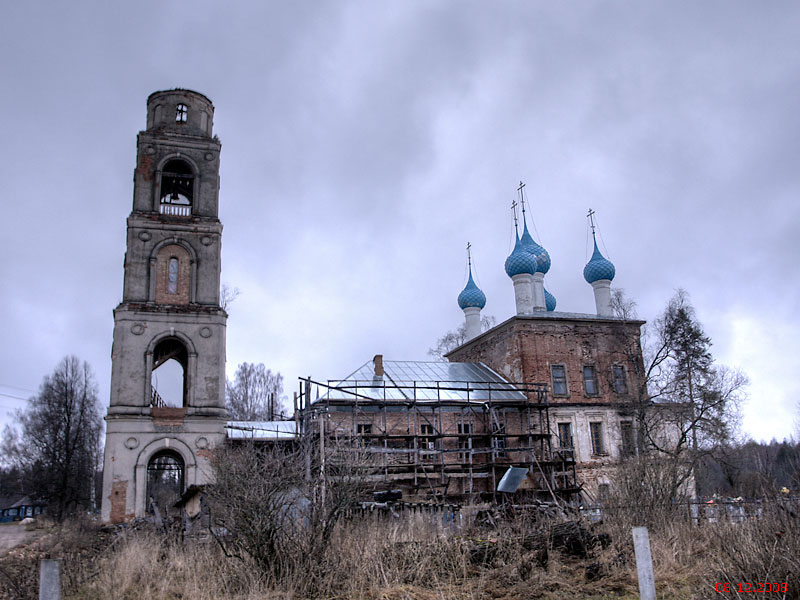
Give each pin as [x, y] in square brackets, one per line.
[408, 559]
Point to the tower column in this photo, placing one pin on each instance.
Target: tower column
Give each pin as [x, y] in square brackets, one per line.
[472, 316]
[539, 302]
[523, 293]
[602, 297]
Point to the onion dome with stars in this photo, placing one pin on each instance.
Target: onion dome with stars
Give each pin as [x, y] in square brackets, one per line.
[549, 301]
[598, 267]
[520, 261]
[471, 296]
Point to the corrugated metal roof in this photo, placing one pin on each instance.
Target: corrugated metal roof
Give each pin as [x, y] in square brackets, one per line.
[261, 430]
[420, 380]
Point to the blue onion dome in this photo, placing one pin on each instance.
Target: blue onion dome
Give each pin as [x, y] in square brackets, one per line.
[471, 296]
[598, 267]
[549, 301]
[541, 255]
[520, 261]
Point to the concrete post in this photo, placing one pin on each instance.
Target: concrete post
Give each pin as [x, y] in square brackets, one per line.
[50, 579]
[644, 563]
[523, 293]
[472, 315]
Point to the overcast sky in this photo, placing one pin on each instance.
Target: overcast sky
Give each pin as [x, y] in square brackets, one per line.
[363, 145]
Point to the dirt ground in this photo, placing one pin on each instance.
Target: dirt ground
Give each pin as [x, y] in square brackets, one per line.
[14, 534]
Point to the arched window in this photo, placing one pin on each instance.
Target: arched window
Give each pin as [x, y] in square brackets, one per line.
[181, 113]
[165, 480]
[177, 189]
[168, 381]
[173, 275]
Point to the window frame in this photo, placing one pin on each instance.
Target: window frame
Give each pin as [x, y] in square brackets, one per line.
[627, 449]
[562, 366]
[616, 380]
[597, 438]
[594, 380]
[571, 439]
[181, 113]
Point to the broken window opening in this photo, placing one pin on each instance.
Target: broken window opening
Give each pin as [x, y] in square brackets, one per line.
[177, 189]
[165, 480]
[168, 381]
[181, 113]
[465, 444]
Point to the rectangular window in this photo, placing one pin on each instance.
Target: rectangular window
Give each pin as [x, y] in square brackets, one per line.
[465, 443]
[559, 373]
[596, 430]
[364, 428]
[590, 380]
[620, 381]
[565, 435]
[626, 433]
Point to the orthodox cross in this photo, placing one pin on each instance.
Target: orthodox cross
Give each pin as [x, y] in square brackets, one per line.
[469, 254]
[514, 210]
[590, 214]
[522, 197]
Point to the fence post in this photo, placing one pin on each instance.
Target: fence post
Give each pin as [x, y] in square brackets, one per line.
[644, 564]
[50, 579]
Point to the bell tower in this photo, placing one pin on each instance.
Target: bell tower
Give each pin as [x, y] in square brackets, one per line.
[167, 406]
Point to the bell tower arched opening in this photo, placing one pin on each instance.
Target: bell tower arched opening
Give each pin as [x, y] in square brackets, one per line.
[169, 382]
[165, 481]
[177, 189]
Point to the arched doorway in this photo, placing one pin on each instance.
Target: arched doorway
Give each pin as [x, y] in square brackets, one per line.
[165, 482]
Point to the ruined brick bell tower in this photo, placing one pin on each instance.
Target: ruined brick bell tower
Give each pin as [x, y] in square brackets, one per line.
[167, 407]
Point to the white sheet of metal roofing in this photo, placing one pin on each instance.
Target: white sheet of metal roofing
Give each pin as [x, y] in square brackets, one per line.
[420, 380]
[261, 430]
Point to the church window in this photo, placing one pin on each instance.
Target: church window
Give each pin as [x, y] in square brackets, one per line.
[620, 381]
[559, 373]
[165, 481]
[598, 446]
[181, 113]
[565, 435]
[172, 277]
[590, 380]
[626, 435]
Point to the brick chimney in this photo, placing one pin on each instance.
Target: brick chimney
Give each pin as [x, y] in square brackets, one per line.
[378, 362]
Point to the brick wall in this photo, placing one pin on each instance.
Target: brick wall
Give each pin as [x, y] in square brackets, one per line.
[181, 295]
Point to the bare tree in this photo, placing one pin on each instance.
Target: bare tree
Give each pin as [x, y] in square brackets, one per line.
[453, 339]
[687, 406]
[279, 506]
[255, 394]
[227, 295]
[58, 451]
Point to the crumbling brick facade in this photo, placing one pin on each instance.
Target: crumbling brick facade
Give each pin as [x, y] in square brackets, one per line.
[594, 369]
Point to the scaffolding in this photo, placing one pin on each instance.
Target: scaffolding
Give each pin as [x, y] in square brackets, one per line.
[444, 439]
